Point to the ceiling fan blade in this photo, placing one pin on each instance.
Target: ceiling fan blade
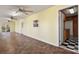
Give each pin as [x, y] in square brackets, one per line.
[23, 10]
[25, 13]
[28, 11]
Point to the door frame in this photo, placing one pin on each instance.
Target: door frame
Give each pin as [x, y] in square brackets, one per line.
[61, 36]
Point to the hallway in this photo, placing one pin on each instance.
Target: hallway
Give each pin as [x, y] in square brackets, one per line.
[11, 42]
[31, 29]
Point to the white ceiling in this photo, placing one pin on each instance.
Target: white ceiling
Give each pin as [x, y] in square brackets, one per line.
[6, 10]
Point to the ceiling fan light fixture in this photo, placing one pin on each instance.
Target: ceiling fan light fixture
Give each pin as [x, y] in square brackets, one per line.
[14, 14]
[8, 19]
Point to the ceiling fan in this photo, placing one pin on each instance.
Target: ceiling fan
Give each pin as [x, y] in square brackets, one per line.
[23, 10]
[20, 11]
[11, 18]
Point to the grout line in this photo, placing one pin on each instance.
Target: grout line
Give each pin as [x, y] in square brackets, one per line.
[69, 49]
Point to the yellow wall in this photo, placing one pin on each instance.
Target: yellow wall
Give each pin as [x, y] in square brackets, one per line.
[48, 25]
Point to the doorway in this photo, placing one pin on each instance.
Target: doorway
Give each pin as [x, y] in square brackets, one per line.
[68, 28]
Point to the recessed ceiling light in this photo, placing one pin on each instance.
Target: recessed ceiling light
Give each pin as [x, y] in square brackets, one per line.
[71, 11]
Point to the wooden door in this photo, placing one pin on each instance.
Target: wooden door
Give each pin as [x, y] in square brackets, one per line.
[75, 26]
